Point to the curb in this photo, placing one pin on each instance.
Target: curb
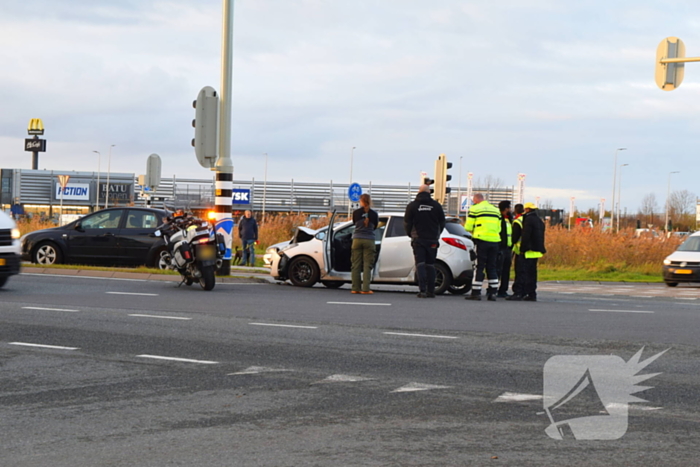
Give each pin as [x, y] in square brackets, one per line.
[246, 277]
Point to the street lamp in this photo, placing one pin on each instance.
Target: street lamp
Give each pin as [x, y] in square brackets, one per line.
[264, 190]
[619, 196]
[109, 169]
[352, 151]
[459, 195]
[668, 196]
[612, 203]
[97, 203]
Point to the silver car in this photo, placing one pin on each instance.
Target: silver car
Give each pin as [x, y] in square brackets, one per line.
[326, 257]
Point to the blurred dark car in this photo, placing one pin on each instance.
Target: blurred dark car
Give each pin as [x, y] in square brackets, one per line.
[114, 236]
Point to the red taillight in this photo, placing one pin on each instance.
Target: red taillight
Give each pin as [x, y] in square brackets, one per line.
[187, 255]
[455, 242]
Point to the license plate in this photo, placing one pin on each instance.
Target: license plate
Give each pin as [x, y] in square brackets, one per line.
[207, 253]
[683, 271]
[2, 261]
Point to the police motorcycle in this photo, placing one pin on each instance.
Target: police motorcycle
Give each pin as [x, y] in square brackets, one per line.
[194, 249]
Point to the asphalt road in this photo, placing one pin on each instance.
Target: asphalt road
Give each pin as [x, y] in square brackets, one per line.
[129, 372]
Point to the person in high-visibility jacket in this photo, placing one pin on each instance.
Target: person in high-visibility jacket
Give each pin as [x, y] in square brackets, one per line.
[484, 223]
[505, 251]
[531, 249]
[518, 211]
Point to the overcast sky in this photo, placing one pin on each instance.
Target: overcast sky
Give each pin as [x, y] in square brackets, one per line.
[549, 88]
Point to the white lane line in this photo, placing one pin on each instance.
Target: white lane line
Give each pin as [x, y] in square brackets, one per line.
[359, 303]
[419, 335]
[515, 397]
[134, 293]
[48, 309]
[43, 346]
[343, 379]
[255, 370]
[566, 293]
[413, 387]
[160, 317]
[685, 298]
[622, 311]
[283, 325]
[175, 359]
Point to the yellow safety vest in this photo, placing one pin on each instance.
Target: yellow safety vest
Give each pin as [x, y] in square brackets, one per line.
[516, 247]
[509, 233]
[484, 222]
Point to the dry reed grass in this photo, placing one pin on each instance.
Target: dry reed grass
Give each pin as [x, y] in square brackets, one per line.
[596, 251]
[26, 225]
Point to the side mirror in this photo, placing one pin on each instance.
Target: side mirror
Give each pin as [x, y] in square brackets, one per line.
[79, 227]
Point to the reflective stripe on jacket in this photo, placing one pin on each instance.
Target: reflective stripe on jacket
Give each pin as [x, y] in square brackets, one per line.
[484, 222]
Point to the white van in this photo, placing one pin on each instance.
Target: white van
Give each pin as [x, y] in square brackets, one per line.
[683, 265]
[9, 248]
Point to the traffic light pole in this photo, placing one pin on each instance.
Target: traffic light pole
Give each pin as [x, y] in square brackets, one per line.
[224, 164]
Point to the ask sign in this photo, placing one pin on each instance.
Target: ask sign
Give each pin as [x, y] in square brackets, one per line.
[241, 196]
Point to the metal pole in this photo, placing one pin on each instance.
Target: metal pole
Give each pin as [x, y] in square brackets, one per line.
[459, 193]
[668, 195]
[224, 164]
[612, 202]
[35, 158]
[97, 199]
[350, 202]
[619, 196]
[109, 169]
[264, 190]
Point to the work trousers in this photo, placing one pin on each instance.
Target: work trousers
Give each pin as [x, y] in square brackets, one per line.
[505, 256]
[525, 276]
[362, 263]
[424, 254]
[486, 259]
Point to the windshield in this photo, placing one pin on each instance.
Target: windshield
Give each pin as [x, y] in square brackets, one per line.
[692, 244]
[456, 229]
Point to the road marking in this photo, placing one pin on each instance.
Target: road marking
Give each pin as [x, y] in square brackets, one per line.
[283, 325]
[685, 298]
[160, 317]
[134, 293]
[419, 335]
[26, 344]
[566, 293]
[621, 311]
[343, 379]
[515, 397]
[175, 359]
[359, 303]
[254, 370]
[48, 309]
[413, 387]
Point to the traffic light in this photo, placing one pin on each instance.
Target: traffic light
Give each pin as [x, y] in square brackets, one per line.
[206, 127]
[441, 178]
[669, 75]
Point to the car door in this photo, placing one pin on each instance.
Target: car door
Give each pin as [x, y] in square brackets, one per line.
[94, 238]
[328, 246]
[134, 239]
[396, 255]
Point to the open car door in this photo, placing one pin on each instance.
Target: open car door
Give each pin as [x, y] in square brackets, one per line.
[328, 246]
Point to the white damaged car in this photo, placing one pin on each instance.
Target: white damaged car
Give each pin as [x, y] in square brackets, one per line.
[325, 256]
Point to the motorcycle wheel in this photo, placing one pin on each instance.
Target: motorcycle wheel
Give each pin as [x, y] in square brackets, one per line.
[208, 279]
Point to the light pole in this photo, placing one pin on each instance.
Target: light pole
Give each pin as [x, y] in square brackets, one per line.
[97, 200]
[459, 195]
[668, 196]
[264, 190]
[619, 196]
[352, 151]
[612, 202]
[109, 169]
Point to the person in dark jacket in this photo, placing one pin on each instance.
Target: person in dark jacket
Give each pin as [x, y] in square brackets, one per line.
[424, 222]
[518, 210]
[505, 252]
[248, 231]
[363, 246]
[531, 249]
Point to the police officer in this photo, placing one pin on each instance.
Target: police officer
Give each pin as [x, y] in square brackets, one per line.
[424, 221]
[484, 222]
[531, 250]
[518, 211]
[505, 252]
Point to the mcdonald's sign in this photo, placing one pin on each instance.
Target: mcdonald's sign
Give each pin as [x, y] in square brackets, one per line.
[36, 127]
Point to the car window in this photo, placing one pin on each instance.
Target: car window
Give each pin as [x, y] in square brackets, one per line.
[456, 229]
[141, 220]
[322, 234]
[102, 220]
[692, 244]
[395, 228]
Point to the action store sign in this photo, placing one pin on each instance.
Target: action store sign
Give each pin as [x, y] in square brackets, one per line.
[73, 191]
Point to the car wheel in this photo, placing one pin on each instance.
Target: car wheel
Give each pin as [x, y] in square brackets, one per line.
[303, 272]
[443, 278]
[459, 289]
[163, 258]
[47, 253]
[333, 284]
[671, 284]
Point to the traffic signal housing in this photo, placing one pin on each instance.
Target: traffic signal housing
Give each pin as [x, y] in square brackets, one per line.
[441, 178]
[206, 127]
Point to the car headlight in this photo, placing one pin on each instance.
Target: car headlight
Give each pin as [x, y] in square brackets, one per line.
[667, 262]
[16, 234]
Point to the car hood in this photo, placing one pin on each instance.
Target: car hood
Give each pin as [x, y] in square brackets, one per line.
[303, 234]
[684, 256]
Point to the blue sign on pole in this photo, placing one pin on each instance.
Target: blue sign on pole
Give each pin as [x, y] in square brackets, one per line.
[354, 192]
[241, 196]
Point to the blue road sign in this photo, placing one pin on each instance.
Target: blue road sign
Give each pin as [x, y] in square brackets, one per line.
[354, 192]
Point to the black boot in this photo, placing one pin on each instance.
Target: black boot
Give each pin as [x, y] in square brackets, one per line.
[474, 296]
[515, 298]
